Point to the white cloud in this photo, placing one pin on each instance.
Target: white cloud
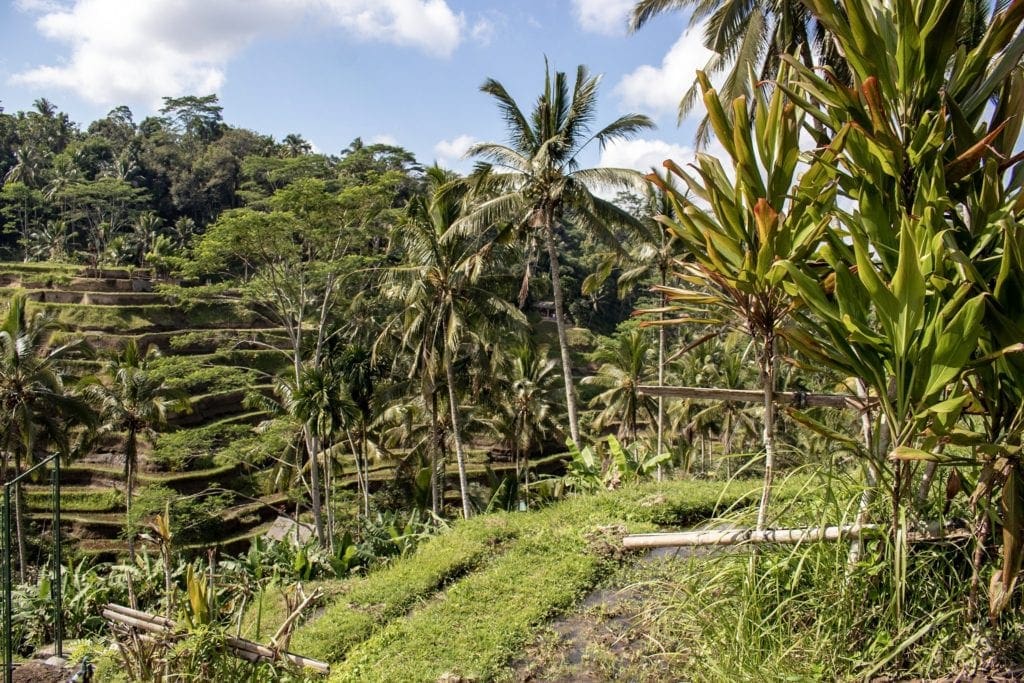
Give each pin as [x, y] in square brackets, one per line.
[131, 51]
[429, 25]
[659, 88]
[603, 16]
[482, 32]
[384, 139]
[643, 154]
[450, 153]
[646, 155]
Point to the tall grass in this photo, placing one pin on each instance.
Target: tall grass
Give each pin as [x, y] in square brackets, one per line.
[807, 613]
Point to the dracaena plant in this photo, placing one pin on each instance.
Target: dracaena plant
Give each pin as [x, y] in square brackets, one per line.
[736, 227]
[921, 298]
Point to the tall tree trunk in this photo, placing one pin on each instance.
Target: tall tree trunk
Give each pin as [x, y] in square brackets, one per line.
[313, 448]
[366, 468]
[360, 478]
[435, 484]
[19, 528]
[768, 433]
[130, 454]
[328, 497]
[563, 338]
[459, 456]
[661, 381]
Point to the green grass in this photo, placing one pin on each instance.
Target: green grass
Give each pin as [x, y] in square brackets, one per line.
[481, 621]
[76, 499]
[226, 336]
[257, 448]
[200, 374]
[148, 318]
[196, 446]
[395, 624]
[364, 604]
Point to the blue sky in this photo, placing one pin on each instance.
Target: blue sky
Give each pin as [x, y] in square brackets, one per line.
[405, 72]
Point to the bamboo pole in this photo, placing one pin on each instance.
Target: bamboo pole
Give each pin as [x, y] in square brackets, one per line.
[781, 536]
[738, 536]
[285, 629]
[141, 624]
[145, 616]
[756, 395]
[267, 653]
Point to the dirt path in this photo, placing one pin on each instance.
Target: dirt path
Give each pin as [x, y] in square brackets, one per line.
[604, 639]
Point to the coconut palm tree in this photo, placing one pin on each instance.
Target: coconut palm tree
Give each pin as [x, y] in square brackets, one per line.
[750, 36]
[534, 184]
[624, 366]
[448, 295]
[36, 407]
[526, 404]
[130, 399]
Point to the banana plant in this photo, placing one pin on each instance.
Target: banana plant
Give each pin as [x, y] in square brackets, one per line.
[608, 465]
[737, 226]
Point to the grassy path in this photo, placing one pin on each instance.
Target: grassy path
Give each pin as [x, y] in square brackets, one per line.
[468, 601]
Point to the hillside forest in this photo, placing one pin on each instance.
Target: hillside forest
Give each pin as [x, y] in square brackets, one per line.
[452, 387]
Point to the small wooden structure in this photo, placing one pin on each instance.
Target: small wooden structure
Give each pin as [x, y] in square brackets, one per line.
[283, 528]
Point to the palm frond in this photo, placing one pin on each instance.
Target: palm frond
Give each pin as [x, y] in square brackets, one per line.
[520, 132]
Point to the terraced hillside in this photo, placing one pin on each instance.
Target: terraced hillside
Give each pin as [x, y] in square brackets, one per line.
[214, 468]
[216, 353]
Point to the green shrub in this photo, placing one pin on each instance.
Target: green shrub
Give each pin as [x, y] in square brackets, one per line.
[188, 448]
[273, 439]
[196, 375]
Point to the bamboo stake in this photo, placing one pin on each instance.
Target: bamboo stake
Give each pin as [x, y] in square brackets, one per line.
[756, 396]
[267, 653]
[140, 624]
[285, 629]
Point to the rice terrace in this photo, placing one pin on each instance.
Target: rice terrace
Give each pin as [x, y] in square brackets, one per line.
[702, 369]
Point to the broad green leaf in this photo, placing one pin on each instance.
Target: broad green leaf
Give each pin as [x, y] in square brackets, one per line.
[955, 345]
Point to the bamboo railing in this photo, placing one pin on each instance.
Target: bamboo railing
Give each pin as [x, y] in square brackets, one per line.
[157, 626]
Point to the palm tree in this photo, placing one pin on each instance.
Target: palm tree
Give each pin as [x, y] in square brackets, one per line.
[129, 398]
[624, 367]
[448, 295]
[27, 168]
[356, 366]
[534, 184]
[526, 404]
[36, 407]
[322, 402]
[746, 36]
[649, 258]
[144, 233]
[294, 145]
